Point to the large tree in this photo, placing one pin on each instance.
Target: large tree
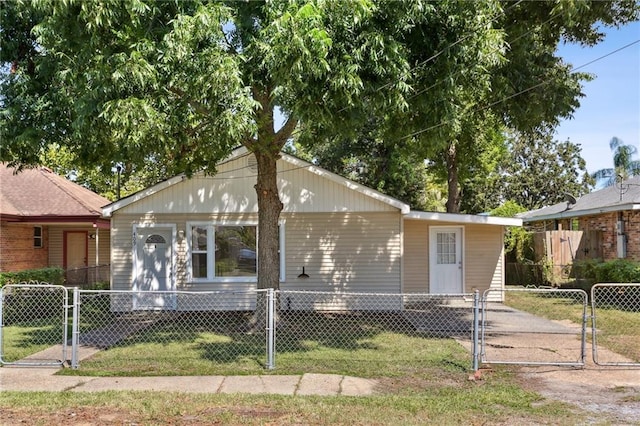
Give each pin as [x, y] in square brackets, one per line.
[184, 82]
[370, 159]
[534, 171]
[493, 70]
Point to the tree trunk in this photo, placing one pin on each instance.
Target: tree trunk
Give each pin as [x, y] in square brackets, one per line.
[269, 208]
[453, 199]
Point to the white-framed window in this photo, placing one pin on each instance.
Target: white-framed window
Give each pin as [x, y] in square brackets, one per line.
[225, 252]
[37, 236]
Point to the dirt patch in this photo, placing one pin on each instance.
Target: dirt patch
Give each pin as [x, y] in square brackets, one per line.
[96, 416]
[614, 392]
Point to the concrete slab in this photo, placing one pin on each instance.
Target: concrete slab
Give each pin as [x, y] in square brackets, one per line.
[34, 379]
[319, 384]
[357, 386]
[192, 384]
[282, 385]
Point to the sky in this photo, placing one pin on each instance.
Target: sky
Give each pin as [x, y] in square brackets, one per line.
[611, 106]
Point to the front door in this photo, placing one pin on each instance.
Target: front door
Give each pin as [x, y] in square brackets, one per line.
[154, 254]
[445, 260]
[75, 257]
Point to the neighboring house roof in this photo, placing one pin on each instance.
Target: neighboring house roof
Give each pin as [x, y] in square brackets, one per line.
[620, 197]
[302, 164]
[39, 195]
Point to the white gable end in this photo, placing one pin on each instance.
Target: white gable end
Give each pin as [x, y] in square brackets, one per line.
[302, 187]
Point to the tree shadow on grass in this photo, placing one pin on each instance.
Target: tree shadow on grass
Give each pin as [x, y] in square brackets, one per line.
[227, 338]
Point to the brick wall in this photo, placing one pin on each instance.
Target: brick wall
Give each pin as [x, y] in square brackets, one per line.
[606, 223]
[17, 252]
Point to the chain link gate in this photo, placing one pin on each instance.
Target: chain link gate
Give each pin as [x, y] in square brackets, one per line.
[510, 334]
[616, 319]
[33, 316]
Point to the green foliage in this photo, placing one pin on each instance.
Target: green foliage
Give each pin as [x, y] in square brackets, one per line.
[53, 276]
[518, 241]
[534, 171]
[618, 271]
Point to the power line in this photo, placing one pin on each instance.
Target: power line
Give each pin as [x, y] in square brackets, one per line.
[418, 132]
[440, 52]
[511, 42]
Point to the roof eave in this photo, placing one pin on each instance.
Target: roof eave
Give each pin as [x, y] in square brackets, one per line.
[464, 218]
[566, 214]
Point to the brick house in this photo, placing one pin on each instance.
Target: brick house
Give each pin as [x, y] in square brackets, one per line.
[47, 220]
[613, 211]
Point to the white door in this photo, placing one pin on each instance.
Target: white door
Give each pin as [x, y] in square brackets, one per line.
[154, 269]
[445, 260]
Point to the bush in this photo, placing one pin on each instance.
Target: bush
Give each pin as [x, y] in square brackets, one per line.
[54, 276]
[618, 271]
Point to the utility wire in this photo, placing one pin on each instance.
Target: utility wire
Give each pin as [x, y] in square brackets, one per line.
[418, 132]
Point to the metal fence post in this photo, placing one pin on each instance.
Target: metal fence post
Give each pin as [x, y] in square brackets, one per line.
[476, 326]
[1, 325]
[271, 329]
[75, 328]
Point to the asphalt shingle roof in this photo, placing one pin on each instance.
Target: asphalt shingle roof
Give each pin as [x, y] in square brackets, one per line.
[613, 198]
[40, 192]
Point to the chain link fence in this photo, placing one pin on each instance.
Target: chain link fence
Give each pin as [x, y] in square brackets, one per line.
[33, 318]
[89, 277]
[534, 327]
[165, 328]
[616, 324]
[357, 328]
[234, 331]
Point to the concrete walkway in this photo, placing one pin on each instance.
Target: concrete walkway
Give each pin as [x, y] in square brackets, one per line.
[38, 378]
[45, 379]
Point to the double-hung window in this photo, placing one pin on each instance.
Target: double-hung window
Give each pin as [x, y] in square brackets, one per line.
[37, 236]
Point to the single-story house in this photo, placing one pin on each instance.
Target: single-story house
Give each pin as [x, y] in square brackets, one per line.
[613, 212]
[47, 220]
[199, 234]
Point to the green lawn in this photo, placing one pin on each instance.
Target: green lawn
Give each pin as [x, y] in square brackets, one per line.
[422, 379]
[449, 399]
[362, 346]
[27, 338]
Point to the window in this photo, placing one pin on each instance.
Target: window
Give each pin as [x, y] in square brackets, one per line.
[37, 236]
[446, 248]
[222, 252]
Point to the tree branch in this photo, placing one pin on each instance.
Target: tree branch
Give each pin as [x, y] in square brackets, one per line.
[198, 106]
[286, 131]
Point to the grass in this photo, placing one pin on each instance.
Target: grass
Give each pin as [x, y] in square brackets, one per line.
[618, 329]
[494, 401]
[422, 379]
[27, 338]
[210, 344]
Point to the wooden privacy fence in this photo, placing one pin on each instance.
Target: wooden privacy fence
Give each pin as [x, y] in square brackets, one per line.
[560, 249]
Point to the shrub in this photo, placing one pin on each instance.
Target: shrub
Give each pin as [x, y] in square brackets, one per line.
[618, 271]
[54, 276]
